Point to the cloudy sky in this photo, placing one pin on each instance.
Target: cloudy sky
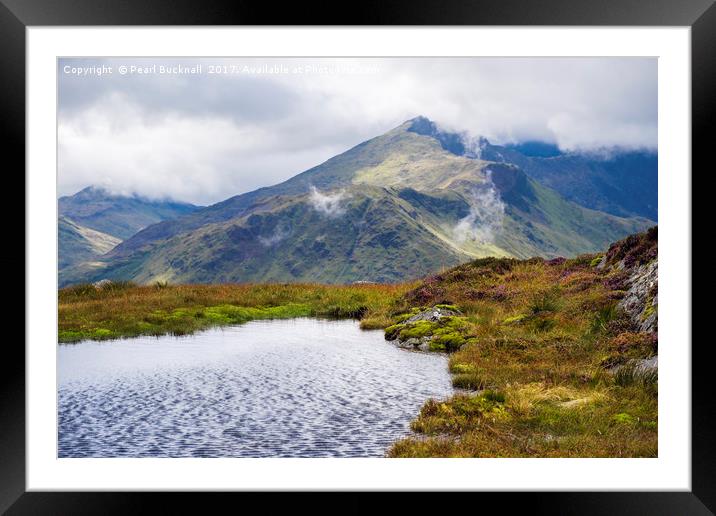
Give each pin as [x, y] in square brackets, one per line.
[206, 136]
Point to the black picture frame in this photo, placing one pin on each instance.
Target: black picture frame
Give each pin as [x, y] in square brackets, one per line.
[16, 15]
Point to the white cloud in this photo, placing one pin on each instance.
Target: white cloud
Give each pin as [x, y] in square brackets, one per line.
[279, 234]
[487, 212]
[199, 160]
[327, 204]
[204, 138]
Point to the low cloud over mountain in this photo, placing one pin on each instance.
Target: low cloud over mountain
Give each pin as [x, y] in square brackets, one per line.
[196, 137]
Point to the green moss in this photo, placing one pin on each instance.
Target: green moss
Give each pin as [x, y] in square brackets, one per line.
[76, 336]
[596, 261]
[101, 333]
[71, 335]
[436, 346]
[403, 317]
[447, 333]
[449, 341]
[649, 310]
[215, 316]
[452, 323]
[391, 332]
[623, 418]
[462, 368]
[184, 321]
[452, 308]
[515, 319]
[230, 314]
[481, 404]
[471, 341]
[418, 329]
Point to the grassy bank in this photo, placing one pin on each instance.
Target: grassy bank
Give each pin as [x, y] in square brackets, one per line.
[538, 339]
[126, 310]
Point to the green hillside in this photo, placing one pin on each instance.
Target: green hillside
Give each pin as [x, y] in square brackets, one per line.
[393, 208]
[118, 215]
[77, 244]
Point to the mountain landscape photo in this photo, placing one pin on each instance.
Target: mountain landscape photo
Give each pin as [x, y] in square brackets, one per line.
[424, 257]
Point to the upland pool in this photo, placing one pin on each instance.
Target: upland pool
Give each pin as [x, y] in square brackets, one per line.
[280, 388]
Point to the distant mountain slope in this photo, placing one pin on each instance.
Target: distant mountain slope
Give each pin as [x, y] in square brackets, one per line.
[77, 244]
[620, 182]
[395, 207]
[624, 183]
[118, 215]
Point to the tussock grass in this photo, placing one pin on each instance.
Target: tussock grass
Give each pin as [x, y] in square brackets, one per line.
[541, 341]
[631, 375]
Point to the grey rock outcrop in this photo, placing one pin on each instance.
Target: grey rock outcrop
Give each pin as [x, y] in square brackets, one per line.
[647, 364]
[99, 285]
[421, 344]
[433, 315]
[640, 301]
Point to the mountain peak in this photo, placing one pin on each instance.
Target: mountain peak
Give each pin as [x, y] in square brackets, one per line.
[120, 216]
[91, 191]
[422, 125]
[96, 193]
[451, 142]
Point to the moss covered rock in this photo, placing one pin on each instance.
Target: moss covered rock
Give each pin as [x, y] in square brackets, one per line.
[436, 329]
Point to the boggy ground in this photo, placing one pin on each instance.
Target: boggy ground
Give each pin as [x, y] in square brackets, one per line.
[541, 351]
[546, 366]
[122, 309]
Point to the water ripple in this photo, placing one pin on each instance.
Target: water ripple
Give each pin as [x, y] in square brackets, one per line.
[297, 388]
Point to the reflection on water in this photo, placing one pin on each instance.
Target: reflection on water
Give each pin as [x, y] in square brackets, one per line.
[297, 388]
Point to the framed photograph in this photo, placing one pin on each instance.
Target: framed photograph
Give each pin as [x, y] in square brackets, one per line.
[419, 252]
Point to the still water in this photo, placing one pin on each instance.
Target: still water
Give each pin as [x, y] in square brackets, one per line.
[291, 388]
